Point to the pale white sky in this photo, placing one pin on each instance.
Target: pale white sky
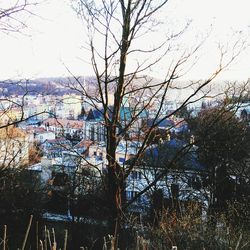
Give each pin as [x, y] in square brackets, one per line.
[56, 36]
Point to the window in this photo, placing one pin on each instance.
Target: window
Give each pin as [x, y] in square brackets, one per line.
[131, 194]
[92, 133]
[121, 159]
[100, 156]
[175, 190]
[98, 134]
[136, 175]
[195, 182]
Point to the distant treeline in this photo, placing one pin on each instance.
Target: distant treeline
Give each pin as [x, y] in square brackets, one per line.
[55, 86]
[61, 85]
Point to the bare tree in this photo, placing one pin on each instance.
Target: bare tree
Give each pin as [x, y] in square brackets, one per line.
[13, 14]
[120, 65]
[13, 17]
[14, 145]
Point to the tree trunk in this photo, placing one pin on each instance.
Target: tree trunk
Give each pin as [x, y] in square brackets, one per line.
[114, 187]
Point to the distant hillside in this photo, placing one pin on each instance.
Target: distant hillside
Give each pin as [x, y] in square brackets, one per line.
[54, 86]
[66, 85]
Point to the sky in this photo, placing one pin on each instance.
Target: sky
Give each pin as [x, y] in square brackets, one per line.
[53, 40]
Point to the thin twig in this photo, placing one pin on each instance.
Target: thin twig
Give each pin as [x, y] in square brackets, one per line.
[238, 242]
[27, 233]
[54, 239]
[65, 240]
[4, 237]
[45, 238]
[41, 245]
[37, 236]
[49, 240]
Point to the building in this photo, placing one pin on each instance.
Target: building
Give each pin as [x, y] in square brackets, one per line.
[14, 147]
[39, 135]
[94, 128]
[64, 127]
[178, 176]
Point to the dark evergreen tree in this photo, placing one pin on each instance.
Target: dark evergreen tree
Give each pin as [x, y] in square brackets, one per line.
[224, 148]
